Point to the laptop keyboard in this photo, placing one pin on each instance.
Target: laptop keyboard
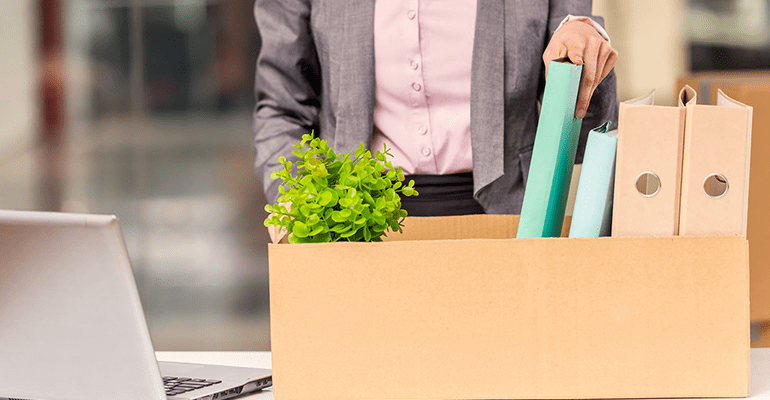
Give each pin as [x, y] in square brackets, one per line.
[178, 385]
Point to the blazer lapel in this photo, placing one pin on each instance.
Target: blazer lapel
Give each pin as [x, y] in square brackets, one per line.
[487, 93]
[355, 112]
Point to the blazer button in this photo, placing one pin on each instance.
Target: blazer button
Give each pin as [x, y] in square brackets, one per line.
[416, 86]
[425, 151]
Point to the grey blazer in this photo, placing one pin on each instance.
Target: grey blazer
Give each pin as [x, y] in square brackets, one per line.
[316, 72]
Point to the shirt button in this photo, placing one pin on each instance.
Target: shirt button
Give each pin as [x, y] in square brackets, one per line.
[414, 64]
[422, 130]
[416, 86]
[411, 14]
[425, 151]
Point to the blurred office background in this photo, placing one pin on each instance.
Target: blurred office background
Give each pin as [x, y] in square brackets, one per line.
[142, 108]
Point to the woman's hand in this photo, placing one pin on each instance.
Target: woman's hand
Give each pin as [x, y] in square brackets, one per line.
[278, 234]
[579, 41]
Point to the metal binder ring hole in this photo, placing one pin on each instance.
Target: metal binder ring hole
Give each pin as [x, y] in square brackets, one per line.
[715, 185]
[648, 184]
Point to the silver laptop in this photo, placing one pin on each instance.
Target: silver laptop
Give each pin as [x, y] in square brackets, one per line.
[72, 325]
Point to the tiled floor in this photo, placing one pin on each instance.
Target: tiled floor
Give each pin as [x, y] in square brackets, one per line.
[191, 210]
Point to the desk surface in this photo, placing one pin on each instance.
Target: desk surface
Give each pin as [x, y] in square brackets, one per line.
[760, 366]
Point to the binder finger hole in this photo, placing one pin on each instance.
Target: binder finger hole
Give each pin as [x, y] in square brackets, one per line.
[715, 185]
[648, 184]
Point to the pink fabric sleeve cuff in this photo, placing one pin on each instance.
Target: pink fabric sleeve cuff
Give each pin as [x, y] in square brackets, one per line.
[596, 25]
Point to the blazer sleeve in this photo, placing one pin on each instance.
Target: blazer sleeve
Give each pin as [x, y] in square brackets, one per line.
[287, 85]
[604, 102]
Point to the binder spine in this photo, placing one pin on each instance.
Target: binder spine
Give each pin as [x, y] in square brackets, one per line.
[553, 155]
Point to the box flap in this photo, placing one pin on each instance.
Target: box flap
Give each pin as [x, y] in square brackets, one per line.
[462, 227]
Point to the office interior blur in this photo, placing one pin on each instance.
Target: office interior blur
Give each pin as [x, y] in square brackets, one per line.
[143, 108]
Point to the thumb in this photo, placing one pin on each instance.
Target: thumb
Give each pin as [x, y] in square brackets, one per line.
[576, 59]
[277, 234]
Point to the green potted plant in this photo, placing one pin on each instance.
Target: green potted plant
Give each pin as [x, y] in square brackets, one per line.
[338, 197]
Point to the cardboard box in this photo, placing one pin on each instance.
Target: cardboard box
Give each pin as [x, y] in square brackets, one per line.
[753, 89]
[502, 318]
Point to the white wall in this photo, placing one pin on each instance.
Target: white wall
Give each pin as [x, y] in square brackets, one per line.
[18, 75]
[649, 36]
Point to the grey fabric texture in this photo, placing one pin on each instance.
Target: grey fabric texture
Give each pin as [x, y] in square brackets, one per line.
[315, 73]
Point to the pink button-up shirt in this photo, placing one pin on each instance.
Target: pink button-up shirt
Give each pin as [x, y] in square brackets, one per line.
[422, 56]
[422, 66]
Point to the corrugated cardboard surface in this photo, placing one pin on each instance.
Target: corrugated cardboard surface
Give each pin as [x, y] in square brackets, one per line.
[751, 88]
[463, 227]
[510, 318]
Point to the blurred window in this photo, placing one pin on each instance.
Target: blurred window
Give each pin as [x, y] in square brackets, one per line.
[728, 34]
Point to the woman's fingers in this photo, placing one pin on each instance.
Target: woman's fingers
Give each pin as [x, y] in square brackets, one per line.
[580, 42]
[588, 82]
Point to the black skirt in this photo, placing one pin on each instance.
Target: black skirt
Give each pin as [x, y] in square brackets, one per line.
[441, 195]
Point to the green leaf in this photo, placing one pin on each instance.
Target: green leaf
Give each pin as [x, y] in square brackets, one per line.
[348, 233]
[323, 238]
[379, 219]
[358, 208]
[300, 229]
[313, 220]
[307, 182]
[339, 228]
[316, 230]
[326, 197]
[337, 217]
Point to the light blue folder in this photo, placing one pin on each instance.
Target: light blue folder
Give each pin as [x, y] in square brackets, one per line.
[553, 156]
[592, 215]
